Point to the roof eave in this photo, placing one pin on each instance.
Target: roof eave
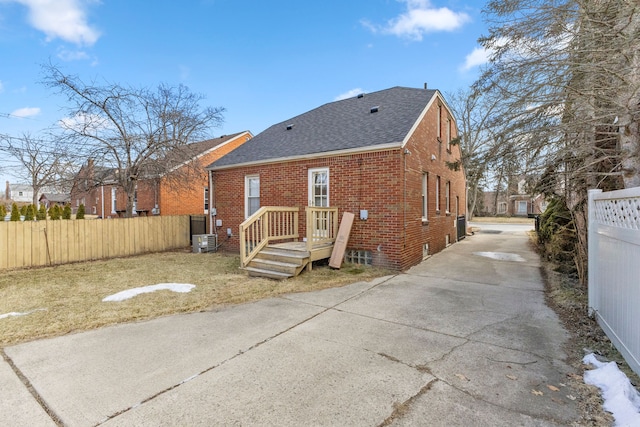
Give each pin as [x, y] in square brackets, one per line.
[368, 149]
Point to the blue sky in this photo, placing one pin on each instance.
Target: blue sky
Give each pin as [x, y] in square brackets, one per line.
[264, 61]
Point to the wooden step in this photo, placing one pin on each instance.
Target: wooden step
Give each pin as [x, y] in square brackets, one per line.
[278, 253]
[277, 265]
[270, 274]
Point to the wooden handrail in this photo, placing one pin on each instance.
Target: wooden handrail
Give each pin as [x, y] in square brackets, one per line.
[322, 226]
[266, 224]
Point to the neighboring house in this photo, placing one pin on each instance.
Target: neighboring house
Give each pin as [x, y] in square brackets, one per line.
[50, 199]
[379, 155]
[514, 202]
[96, 187]
[19, 193]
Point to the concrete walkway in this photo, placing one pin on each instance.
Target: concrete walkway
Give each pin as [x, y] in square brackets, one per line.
[464, 338]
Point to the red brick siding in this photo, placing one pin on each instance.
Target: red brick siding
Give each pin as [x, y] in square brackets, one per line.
[189, 198]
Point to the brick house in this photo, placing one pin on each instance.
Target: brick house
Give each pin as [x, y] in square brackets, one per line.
[96, 186]
[381, 156]
[516, 201]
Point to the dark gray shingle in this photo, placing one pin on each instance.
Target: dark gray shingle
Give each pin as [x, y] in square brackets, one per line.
[340, 125]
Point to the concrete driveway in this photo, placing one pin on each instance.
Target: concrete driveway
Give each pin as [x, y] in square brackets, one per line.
[464, 338]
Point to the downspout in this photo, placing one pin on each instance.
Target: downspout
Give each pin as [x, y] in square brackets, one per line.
[212, 228]
[102, 201]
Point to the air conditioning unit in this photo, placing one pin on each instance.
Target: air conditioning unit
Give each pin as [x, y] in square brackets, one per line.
[155, 211]
[204, 243]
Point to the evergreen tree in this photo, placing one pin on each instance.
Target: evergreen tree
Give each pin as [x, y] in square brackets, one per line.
[80, 213]
[3, 212]
[54, 212]
[66, 212]
[23, 210]
[41, 215]
[29, 213]
[15, 213]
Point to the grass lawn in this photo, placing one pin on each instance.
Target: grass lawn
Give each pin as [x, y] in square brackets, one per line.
[68, 298]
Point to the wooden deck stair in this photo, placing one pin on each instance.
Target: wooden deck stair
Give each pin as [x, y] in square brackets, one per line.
[270, 243]
[278, 262]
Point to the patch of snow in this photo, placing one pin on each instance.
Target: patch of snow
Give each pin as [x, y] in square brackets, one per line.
[501, 256]
[15, 313]
[620, 397]
[130, 293]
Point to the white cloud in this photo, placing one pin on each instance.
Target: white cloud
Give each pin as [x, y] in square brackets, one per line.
[71, 55]
[421, 18]
[349, 94]
[26, 112]
[64, 19]
[479, 56]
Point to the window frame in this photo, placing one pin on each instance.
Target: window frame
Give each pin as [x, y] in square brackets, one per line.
[311, 185]
[521, 203]
[206, 199]
[447, 197]
[437, 194]
[247, 196]
[425, 197]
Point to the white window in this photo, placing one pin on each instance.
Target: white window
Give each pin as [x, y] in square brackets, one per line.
[438, 194]
[319, 187]
[502, 207]
[251, 194]
[135, 200]
[206, 200]
[113, 200]
[522, 207]
[447, 198]
[438, 126]
[425, 196]
[448, 136]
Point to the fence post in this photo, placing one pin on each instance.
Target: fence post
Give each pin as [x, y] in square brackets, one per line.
[592, 249]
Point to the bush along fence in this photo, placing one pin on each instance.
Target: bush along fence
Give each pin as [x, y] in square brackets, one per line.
[51, 242]
[614, 268]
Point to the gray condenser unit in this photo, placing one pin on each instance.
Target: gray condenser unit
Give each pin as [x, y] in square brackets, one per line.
[204, 243]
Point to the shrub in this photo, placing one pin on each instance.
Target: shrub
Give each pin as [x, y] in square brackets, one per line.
[54, 212]
[66, 212]
[80, 213]
[3, 211]
[41, 215]
[29, 213]
[557, 235]
[15, 213]
[23, 210]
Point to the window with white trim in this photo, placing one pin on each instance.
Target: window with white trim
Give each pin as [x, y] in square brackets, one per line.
[251, 194]
[522, 207]
[502, 207]
[448, 136]
[113, 200]
[319, 187]
[438, 125]
[425, 196]
[437, 194]
[206, 200]
[447, 197]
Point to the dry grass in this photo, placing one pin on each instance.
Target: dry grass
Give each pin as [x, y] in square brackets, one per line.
[68, 298]
[503, 220]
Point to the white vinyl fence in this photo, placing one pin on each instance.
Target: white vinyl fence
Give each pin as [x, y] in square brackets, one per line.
[614, 268]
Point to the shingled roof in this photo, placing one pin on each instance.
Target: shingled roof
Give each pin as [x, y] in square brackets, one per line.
[382, 118]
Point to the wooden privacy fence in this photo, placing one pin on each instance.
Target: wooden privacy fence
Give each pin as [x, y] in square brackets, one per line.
[614, 268]
[40, 243]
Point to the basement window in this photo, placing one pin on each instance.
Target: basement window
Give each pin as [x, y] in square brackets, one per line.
[358, 257]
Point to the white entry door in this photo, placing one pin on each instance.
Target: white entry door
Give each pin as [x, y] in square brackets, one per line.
[319, 187]
[319, 197]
